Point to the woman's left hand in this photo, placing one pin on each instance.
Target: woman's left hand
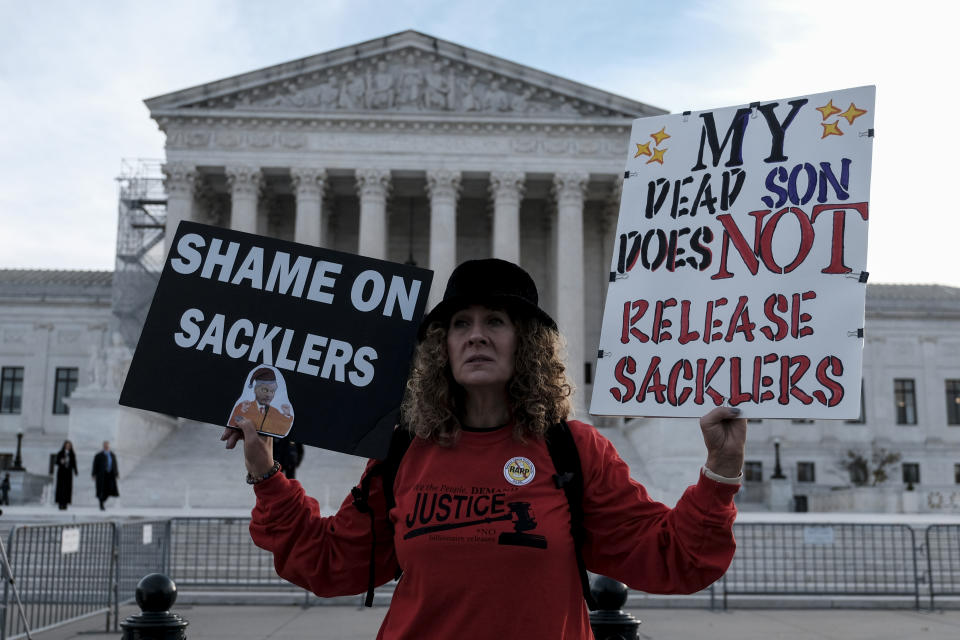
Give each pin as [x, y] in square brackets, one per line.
[725, 435]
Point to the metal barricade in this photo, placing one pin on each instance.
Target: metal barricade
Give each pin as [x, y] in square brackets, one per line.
[943, 559]
[143, 548]
[62, 573]
[817, 560]
[219, 553]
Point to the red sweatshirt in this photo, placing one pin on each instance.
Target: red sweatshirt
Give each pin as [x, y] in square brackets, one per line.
[483, 536]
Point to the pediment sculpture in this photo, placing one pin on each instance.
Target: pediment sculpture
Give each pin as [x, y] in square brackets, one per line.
[409, 82]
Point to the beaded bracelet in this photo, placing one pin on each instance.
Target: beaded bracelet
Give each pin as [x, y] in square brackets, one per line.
[258, 479]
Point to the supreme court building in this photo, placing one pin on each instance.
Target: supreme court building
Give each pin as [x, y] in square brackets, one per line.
[411, 148]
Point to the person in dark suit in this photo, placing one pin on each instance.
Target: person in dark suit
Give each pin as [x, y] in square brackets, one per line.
[289, 454]
[66, 469]
[105, 474]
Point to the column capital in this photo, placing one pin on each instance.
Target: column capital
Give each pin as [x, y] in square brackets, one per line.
[443, 183]
[570, 186]
[507, 184]
[180, 178]
[373, 182]
[308, 182]
[244, 180]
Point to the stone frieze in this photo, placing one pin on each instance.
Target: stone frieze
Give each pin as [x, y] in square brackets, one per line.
[421, 140]
[408, 82]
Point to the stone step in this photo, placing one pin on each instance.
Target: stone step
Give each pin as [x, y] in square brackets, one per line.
[190, 468]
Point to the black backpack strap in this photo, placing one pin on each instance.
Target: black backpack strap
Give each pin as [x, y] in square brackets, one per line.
[387, 470]
[569, 477]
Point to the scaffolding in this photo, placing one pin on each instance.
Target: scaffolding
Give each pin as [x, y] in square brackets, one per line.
[140, 234]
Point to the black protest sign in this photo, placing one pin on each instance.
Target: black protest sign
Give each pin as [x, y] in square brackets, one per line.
[307, 343]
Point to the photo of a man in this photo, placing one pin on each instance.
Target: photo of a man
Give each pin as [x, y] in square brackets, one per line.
[264, 403]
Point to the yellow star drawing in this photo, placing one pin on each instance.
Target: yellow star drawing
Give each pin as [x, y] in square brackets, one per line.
[831, 129]
[852, 113]
[657, 155]
[642, 149]
[660, 136]
[828, 110]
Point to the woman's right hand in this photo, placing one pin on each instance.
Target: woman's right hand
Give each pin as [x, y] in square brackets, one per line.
[257, 449]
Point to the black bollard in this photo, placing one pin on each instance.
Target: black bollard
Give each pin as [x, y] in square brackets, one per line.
[609, 622]
[156, 593]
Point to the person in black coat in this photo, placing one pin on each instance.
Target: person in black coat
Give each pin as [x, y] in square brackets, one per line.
[105, 473]
[289, 454]
[66, 469]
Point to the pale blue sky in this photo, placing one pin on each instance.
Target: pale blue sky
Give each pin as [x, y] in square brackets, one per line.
[73, 76]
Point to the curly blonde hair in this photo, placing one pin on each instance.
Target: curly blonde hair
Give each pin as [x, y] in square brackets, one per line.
[538, 394]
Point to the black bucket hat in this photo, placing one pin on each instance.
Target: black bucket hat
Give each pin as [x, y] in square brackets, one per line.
[492, 282]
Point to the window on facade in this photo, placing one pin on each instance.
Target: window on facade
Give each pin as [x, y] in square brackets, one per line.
[953, 402]
[911, 473]
[65, 383]
[863, 407]
[11, 389]
[956, 473]
[905, 397]
[859, 475]
[806, 472]
[753, 471]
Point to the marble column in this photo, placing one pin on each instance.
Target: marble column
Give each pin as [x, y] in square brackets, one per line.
[308, 184]
[244, 184]
[443, 187]
[506, 188]
[608, 230]
[180, 181]
[373, 187]
[570, 190]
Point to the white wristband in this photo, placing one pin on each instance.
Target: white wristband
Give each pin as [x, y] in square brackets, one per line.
[722, 479]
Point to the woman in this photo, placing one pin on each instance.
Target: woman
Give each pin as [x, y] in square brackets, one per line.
[480, 529]
[66, 469]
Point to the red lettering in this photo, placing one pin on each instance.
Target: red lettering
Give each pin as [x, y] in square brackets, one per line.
[766, 240]
[796, 330]
[625, 365]
[651, 382]
[839, 221]
[792, 369]
[704, 377]
[710, 324]
[731, 233]
[687, 370]
[836, 389]
[639, 308]
[659, 322]
[736, 396]
[775, 302]
[765, 381]
[740, 322]
[685, 334]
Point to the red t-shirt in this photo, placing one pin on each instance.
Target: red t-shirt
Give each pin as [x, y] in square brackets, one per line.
[483, 536]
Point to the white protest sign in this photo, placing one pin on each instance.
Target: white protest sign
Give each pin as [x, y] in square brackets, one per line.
[738, 269]
[69, 541]
[147, 534]
[818, 535]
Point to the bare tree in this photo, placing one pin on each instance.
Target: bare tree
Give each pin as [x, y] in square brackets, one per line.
[873, 471]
